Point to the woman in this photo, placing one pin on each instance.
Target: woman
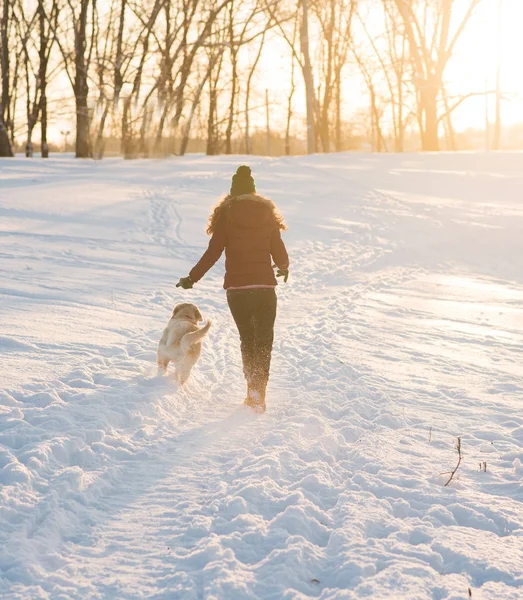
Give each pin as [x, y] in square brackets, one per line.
[248, 227]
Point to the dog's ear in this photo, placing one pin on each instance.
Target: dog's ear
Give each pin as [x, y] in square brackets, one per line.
[176, 309]
[197, 314]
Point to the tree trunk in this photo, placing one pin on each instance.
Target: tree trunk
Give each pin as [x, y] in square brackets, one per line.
[143, 149]
[99, 148]
[234, 64]
[196, 100]
[248, 148]
[81, 84]
[32, 108]
[5, 144]
[337, 133]
[127, 132]
[429, 133]
[5, 99]
[29, 146]
[400, 70]
[309, 79]
[267, 124]
[212, 123]
[158, 150]
[211, 144]
[82, 128]
[30, 120]
[399, 142]
[449, 127]
[43, 125]
[230, 124]
[379, 143]
[324, 112]
[118, 78]
[42, 77]
[289, 114]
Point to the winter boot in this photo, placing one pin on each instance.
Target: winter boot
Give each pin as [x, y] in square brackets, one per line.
[255, 399]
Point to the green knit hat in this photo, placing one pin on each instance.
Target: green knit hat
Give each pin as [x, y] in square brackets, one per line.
[242, 182]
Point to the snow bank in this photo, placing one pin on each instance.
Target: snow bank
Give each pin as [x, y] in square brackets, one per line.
[400, 330]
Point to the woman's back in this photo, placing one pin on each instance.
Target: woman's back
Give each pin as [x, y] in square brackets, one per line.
[252, 234]
[248, 228]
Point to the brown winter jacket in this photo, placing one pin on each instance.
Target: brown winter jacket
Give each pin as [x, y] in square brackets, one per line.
[248, 231]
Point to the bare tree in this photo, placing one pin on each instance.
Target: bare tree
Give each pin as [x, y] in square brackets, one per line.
[5, 99]
[196, 101]
[281, 15]
[25, 25]
[233, 51]
[34, 51]
[335, 20]
[44, 54]
[252, 70]
[207, 21]
[77, 61]
[397, 57]
[388, 61]
[431, 44]
[82, 58]
[308, 77]
[103, 65]
[212, 118]
[377, 137]
[291, 91]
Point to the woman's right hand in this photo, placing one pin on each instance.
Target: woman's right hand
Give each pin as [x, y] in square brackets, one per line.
[185, 282]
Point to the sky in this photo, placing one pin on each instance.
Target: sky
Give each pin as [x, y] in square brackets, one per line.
[472, 69]
[474, 65]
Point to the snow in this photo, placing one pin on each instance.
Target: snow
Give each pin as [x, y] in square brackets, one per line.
[400, 330]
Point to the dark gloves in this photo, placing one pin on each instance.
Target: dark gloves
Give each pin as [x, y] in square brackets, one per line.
[186, 283]
[283, 273]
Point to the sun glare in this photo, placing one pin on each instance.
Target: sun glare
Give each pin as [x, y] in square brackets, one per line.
[472, 69]
[474, 65]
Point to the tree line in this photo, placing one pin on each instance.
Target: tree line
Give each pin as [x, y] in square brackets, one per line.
[156, 74]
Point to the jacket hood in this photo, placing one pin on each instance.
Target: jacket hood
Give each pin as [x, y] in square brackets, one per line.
[251, 210]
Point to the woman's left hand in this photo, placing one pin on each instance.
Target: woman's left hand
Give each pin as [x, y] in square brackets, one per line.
[283, 273]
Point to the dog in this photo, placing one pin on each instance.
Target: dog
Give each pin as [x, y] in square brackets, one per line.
[181, 341]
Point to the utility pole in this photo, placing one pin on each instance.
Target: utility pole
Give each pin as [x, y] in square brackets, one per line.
[65, 133]
[497, 126]
[487, 123]
[268, 124]
[308, 76]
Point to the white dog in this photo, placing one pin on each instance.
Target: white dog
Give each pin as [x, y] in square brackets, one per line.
[181, 341]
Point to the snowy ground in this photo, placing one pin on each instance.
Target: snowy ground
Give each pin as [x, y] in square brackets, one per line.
[400, 329]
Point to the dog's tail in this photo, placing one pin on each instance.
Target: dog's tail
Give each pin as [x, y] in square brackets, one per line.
[193, 337]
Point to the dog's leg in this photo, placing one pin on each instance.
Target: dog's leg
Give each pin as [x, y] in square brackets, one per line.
[183, 371]
[162, 366]
[161, 359]
[162, 362]
[183, 375]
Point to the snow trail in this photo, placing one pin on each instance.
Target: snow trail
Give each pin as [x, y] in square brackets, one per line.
[400, 330]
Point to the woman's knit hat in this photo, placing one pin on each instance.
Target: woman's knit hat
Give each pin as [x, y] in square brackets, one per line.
[242, 182]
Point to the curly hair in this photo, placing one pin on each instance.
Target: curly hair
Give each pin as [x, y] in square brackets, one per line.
[222, 211]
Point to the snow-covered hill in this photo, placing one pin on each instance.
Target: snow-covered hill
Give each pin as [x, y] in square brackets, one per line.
[400, 330]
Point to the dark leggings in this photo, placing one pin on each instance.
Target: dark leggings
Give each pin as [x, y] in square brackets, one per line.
[254, 312]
